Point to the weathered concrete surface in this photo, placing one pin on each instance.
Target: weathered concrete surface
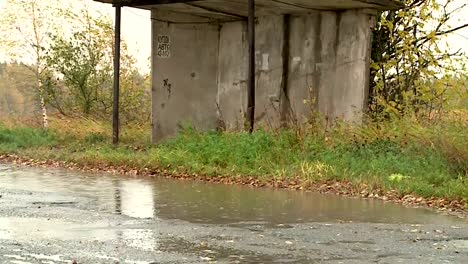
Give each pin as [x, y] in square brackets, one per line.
[203, 82]
[232, 76]
[232, 89]
[269, 40]
[184, 81]
[352, 66]
[306, 40]
[309, 65]
[327, 78]
[54, 216]
[329, 65]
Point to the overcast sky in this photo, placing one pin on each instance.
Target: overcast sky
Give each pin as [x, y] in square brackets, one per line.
[136, 29]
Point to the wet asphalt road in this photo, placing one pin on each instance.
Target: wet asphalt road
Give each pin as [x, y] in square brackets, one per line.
[53, 223]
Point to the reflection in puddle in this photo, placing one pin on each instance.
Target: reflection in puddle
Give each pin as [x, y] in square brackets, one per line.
[137, 199]
[205, 203]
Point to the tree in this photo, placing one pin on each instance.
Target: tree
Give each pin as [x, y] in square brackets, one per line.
[24, 25]
[411, 71]
[84, 59]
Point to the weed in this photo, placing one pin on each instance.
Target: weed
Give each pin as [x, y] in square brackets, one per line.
[408, 156]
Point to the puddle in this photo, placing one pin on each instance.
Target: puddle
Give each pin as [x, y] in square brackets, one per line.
[196, 202]
[54, 215]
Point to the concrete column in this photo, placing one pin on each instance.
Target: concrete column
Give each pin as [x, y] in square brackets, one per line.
[232, 77]
[329, 65]
[269, 73]
[184, 74]
[352, 65]
[232, 93]
[305, 65]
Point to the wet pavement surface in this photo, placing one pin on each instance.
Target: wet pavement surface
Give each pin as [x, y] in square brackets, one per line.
[59, 216]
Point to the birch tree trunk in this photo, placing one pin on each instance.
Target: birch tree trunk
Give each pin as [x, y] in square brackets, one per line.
[45, 117]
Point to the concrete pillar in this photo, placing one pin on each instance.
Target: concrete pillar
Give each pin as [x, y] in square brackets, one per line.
[232, 75]
[304, 66]
[352, 66]
[329, 65]
[184, 74]
[329, 31]
[269, 73]
[232, 93]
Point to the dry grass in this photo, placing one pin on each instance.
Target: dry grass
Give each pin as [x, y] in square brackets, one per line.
[406, 155]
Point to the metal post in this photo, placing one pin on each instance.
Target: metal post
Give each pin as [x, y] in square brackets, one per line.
[115, 107]
[251, 74]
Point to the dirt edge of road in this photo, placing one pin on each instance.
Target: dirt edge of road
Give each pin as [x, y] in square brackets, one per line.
[455, 207]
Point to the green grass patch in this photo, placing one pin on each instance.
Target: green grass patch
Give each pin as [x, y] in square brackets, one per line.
[18, 138]
[423, 159]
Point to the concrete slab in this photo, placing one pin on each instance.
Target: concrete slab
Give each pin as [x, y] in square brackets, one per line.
[264, 7]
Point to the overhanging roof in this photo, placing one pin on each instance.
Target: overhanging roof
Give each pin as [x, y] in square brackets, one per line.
[239, 7]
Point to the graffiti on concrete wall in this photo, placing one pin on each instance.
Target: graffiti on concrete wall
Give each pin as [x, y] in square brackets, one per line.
[164, 46]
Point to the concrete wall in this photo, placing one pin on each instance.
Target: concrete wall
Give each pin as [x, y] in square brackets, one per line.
[232, 76]
[352, 66]
[304, 63]
[233, 54]
[329, 58]
[329, 30]
[184, 84]
[305, 46]
[269, 41]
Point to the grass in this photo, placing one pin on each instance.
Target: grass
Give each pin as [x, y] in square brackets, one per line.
[430, 160]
